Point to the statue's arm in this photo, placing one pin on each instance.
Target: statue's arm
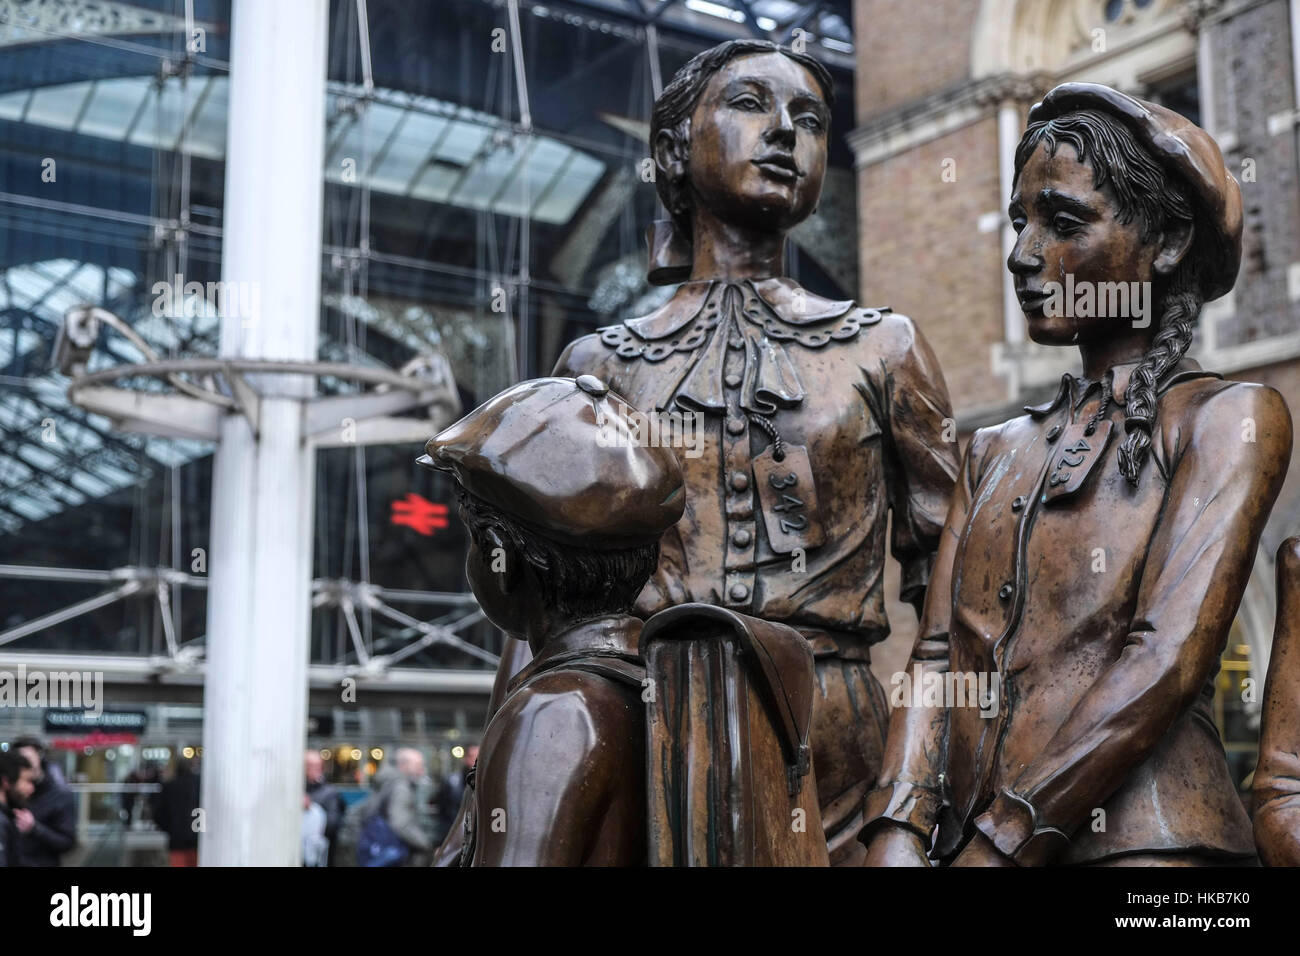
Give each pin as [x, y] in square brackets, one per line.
[582, 356]
[908, 792]
[923, 452]
[1196, 570]
[541, 780]
[514, 656]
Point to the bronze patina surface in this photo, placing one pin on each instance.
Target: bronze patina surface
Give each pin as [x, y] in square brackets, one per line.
[564, 530]
[599, 752]
[1097, 547]
[813, 419]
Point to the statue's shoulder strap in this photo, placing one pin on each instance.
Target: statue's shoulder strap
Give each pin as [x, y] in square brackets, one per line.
[613, 665]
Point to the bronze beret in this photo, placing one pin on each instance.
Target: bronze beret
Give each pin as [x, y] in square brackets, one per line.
[558, 455]
[1181, 146]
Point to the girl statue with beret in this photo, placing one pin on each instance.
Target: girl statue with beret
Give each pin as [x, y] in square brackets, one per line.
[1098, 546]
[818, 417]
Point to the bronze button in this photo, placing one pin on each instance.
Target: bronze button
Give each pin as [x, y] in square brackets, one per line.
[1019, 503]
[735, 425]
[592, 385]
[1005, 592]
[736, 343]
[1054, 433]
[732, 380]
[741, 538]
[739, 592]
[739, 481]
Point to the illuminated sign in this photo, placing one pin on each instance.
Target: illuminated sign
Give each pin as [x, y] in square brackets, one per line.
[67, 721]
[417, 513]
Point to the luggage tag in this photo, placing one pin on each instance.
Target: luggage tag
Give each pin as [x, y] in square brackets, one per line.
[788, 499]
[1076, 457]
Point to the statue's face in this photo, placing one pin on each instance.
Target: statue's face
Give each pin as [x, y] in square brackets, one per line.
[1069, 235]
[758, 143]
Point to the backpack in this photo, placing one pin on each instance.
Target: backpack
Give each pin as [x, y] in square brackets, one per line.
[378, 843]
[729, 767]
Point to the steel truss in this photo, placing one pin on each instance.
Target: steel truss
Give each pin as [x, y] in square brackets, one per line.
[340, 595]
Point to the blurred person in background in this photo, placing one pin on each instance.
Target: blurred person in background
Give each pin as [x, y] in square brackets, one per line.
[173, 813]
[47, 827]
[391, 834]
[324, 795]
[17, 784]
[315, 847]
[128, 799]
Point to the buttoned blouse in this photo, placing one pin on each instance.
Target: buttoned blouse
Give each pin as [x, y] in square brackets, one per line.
[857, 389]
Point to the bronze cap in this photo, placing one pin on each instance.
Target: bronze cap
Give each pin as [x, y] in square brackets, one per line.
[560, 455]
[1180, 145]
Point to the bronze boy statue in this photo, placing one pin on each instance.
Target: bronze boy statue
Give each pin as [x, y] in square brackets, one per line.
[1097, 547]
[564, 530]
[601, 751]
[819, 417]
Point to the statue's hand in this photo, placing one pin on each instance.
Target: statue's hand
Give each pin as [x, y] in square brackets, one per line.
[895, 846]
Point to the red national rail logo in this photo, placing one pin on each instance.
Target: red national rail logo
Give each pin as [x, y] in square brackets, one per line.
[415, 512]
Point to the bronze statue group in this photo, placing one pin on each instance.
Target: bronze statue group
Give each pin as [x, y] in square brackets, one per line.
[690, 682]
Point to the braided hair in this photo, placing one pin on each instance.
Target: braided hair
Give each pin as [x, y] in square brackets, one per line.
[1145, 190]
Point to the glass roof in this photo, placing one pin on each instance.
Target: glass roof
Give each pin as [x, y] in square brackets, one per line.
[825, 20]
[773, 14]
[402, 144]
[84, 456]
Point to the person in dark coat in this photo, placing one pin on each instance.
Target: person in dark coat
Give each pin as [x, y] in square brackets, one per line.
[16, 787]
[173, 813]
[47, 825]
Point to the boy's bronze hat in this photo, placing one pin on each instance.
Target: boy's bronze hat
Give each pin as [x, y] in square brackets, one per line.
[560, 455]
[1181, 146]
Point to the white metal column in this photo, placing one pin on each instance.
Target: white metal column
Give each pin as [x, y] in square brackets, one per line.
[255, 692]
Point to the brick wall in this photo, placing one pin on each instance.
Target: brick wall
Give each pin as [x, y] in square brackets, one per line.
[908, 49]
[1252, 79]
[1285, 519]
[923, 255]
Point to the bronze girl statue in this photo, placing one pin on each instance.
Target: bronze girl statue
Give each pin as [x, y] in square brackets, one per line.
[818, 417]
[1098, 546]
